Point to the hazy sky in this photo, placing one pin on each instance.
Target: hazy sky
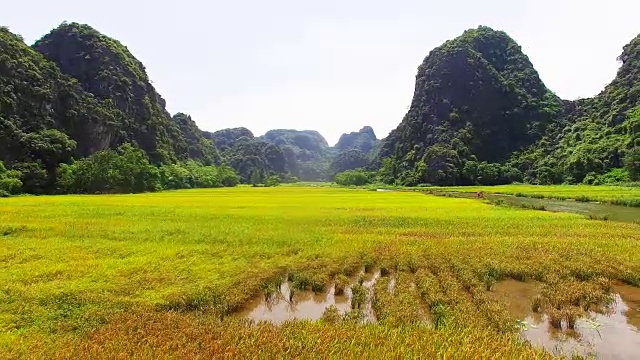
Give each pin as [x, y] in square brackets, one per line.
[331, 65]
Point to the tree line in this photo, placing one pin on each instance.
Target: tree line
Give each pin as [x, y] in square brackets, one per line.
[126, 169]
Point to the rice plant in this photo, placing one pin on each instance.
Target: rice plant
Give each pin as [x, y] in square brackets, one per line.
[163, 275]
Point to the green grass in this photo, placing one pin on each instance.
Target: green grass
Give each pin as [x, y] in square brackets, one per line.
[611, 194]
[617, 195]
[74, 269]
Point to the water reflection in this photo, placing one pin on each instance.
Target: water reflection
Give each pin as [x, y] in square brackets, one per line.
[307, 305]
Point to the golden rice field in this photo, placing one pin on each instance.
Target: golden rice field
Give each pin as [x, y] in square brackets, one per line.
[169, 275]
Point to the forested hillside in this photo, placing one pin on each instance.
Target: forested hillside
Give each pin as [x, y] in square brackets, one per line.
[79, 94]
[481, 115]
[594, 135]
[364, 140]
[308, 153]
[293, 154]
[77, 110]
[253, 158]
[477, 100]
[46, 118]
[108, 71]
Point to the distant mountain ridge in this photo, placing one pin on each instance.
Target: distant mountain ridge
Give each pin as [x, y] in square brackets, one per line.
[363, 140]
[95, 95]
[480, 115]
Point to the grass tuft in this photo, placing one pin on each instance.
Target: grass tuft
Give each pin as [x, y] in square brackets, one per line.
[341, 284]
[358, 296]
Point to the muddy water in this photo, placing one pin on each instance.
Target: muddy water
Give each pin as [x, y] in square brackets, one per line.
[307, 305]
[517, 295]
[595, 210]
[603, 336]
[631, 296]
[370, 280]
[615, 335]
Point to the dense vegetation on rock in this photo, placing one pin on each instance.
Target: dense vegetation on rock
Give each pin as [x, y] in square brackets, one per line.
[226, 138]
[364, 140]
[356, 150]
[291, 154]
[252, 158]
[481, 115]
[595, 135]
[307, 153]
[477, 99]
[350, 159]
[106, 69]
[250, 155]
[309, 140]
[45, 116]
[76, 93]
[193, 143]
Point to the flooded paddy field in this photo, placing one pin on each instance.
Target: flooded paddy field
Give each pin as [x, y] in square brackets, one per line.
[608, 331]
[591, 210]
[290, 302]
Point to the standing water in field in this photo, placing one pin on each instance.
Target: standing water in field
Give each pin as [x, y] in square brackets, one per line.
[607, 336]
[614, 334]
[307, 305]
[517, 294]
[588, 209]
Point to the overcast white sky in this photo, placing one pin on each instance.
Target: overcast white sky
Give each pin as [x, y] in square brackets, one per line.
[332, 65]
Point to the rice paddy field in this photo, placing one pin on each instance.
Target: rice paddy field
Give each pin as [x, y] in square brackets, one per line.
[302, 272]
[616, 195]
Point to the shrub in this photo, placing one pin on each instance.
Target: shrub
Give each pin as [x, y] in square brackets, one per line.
[615, 176]
[331, 315]
[287, 179]
[123, 170]
[195, 175]
[127, 170]
[341, 284]
[354, 178]
[10, 185]
[228, 177]
[202, 176]
[256, 177]
[174, 176]
[272, 180]
[33, 176]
